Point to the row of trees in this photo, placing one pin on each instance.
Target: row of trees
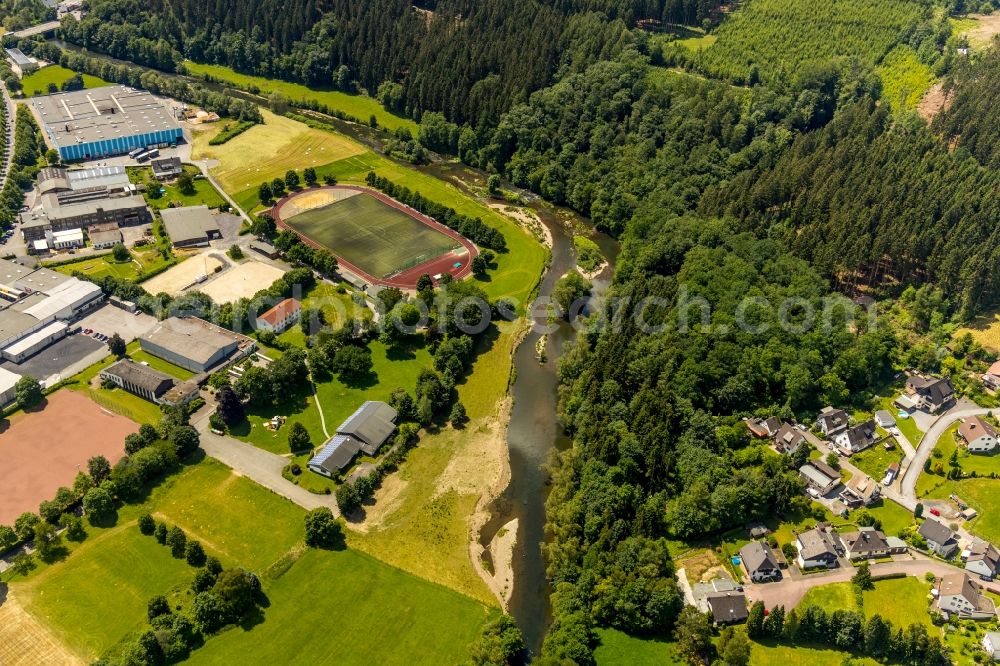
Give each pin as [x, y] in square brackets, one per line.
[26, 160]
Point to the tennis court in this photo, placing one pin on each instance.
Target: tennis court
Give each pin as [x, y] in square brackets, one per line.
[366, 231]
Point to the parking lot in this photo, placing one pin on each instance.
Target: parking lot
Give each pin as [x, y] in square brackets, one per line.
[109, 320]
[61, 358]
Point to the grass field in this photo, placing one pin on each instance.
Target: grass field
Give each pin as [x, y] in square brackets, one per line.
[901, 601]
[372, 235]
[894, 517]
[37, 83]
[105, 264]
[768, 654]
[831, 597]
[97, 596]
[361, 107]
[267, 151]
[983, 495]
[906, 426]
[616, 648]
[204, 194]
[985, 330]
[117, 400]
[904, 78]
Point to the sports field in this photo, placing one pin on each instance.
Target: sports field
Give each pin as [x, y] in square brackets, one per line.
[365, 230]
[44, 449]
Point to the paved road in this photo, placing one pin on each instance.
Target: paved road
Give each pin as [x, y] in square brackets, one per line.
[788, 592]
[257, 464]
[39, 29]
[908, 486]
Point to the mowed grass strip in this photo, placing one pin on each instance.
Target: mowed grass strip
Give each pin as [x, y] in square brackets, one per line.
[267, 151]
[37, 83]
[372, 235]
[361, 107]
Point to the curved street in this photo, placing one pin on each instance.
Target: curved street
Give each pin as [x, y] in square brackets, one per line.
[908, 485]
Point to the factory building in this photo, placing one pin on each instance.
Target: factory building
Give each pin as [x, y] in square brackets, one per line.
[195, 344]
[20, 63]
[101, 122]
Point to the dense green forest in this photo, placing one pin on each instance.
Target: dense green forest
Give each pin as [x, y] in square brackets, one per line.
[972, 118]
[17, 14]
[469, 60]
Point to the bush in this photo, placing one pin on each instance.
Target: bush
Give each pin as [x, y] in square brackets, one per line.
[323, 530]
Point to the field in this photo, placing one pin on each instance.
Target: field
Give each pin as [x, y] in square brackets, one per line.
[377, 238]
[267, 151]
[104, 265]
[361, 107]
[984, 496]
[173, 280]
[901, 601]
[985, 329]
[37, 83]
[241, 281]
[616, 648]
[24, 641]
[776, 37]
[43, 450]
[97, 596]
[904, 78]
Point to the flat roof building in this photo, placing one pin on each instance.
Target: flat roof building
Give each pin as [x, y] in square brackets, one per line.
[31, 344]
[113, 120]
[8, 380]
[190, 226]
[193, 343]
[145, 382]
[62, 211]
[21, 63]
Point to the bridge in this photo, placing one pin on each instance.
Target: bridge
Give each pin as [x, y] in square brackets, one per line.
[40, 29]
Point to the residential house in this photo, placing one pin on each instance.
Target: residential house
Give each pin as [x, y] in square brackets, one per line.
[979, 435]
[763, 428]
[167, 168]
[757, 530]
[991, 643]
[759, 562]
[727, 607]
[857, 438]
[885, 419]
[861, 490]
[788, 438]
[819, 547]
[831, 421]
[866, 543]
[983, 559]
[817, 479]
[930, 393]
[940, 539]
[958, 593]
[279, 318]
[992, 376]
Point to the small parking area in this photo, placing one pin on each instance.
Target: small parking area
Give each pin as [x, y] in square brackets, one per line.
[109, 320]
[58, 357]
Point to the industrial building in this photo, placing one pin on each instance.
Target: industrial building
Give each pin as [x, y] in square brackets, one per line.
[190, 226]
[36, 305]
[8, 382]
[145, 382]
[20, 63]
[101, 122]
[195, 344]
[364, 431]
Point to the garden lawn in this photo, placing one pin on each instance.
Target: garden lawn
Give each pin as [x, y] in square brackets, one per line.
[834, 596]
[768, 654]
[874, 460]
[616, 648]
[142, 262]
[894, 517]
[336, 607]
[361, 107]
[37, 83]
[901, 601]
[906, 426]
[983, 495]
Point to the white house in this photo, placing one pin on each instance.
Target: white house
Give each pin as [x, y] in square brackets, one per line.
[979, 436]
[280, 317]
[957, 593]
[991, 643]
[831, 421]
[759, 562]
[857, 438]
[939, 538]
[982, 558]
[819, 547]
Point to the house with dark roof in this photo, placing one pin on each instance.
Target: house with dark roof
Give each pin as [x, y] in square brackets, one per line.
[861, 490]
[727, 607]
[759, 562]
[866, 543]
[983, 559]
[788, 438]
[940, 539]
[167, 168]
[980, 436]
[364, 431]
[818, 547]
[817, 479]
[831, 421]
[957, 593]
[856, 438]
[145, 382]
[930, 393]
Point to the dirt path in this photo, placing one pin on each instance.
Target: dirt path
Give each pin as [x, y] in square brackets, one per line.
[988, 26]
[933, 102]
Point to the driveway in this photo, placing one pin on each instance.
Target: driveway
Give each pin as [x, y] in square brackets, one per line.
[788, 592]
[962, 410]
[256, 464]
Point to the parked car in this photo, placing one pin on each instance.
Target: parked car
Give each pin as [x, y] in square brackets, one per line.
[88, 331]
[935, 512]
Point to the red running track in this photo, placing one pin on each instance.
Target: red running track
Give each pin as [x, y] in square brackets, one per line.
[406, 279]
